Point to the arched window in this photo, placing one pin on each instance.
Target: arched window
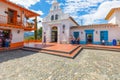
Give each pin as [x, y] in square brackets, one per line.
[52, 17]
[56, 17]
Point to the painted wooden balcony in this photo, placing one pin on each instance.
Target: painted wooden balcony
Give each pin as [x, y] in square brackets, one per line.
[5, 21]
[29, 26]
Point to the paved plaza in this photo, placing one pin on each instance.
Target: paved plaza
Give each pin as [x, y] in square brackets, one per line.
[88, 65]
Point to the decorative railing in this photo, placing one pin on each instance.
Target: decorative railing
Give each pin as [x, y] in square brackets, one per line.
[19, 22]
[6, 20]
[30, 25]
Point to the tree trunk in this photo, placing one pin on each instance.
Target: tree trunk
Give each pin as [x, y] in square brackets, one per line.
[35, 32]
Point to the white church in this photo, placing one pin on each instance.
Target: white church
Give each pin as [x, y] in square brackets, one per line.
[59, 27]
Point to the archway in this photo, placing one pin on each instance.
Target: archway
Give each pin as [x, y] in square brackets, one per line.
[54, 34]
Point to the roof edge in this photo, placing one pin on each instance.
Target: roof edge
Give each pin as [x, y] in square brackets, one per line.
[111, 13]
[73, 21]
[7, 1]
[98, 25]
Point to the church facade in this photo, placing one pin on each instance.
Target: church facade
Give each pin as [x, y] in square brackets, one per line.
[59, 27]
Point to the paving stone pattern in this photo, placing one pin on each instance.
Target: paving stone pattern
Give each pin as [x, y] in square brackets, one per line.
[88, 65]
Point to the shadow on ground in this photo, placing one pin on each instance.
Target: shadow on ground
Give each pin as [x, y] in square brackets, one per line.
[9, 55]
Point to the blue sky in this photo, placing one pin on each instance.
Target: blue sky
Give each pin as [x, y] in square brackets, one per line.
[85, 12]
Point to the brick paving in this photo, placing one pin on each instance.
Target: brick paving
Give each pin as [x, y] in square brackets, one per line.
[53, 46]
[88, 65]
[65, 50]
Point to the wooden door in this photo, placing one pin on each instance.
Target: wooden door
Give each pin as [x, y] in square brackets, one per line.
[12, 16]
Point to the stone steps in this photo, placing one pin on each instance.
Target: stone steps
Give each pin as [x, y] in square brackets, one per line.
[71, 54]
[9, 49]
[102, 48]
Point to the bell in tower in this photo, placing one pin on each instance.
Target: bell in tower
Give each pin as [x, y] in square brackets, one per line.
[55, 5]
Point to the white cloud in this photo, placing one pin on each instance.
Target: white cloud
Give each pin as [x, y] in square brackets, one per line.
[39, 19]
[80, 5]
[105, 8]
[49, 1]
[39, 12]
[76, 7]
[25, 3]
[101, 13]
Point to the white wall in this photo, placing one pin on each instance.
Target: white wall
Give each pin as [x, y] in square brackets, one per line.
[113, 33]
[112, 19]
[118, 17]
[4, 7]
[15, 36]
[115, 18]
[60, 14]
[65, 36]
[62, 37]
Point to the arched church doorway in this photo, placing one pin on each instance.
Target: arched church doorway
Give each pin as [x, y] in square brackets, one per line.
[54, 36]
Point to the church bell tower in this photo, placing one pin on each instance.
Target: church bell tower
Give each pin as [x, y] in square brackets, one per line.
[55, 6]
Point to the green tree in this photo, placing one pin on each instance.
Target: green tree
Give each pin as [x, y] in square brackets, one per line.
[30, 38]
[39, 33]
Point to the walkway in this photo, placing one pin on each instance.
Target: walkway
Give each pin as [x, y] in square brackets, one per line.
[88, 65]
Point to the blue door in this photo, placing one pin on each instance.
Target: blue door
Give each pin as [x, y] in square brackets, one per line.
[104, 35]
[76, 35]
[89, 36]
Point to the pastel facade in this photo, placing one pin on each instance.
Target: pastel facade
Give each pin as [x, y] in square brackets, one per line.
[13, 19]
[57, 25]
[109, 32]
[96, 33]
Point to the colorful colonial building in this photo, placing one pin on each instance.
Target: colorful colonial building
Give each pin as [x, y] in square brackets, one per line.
[59, 27]
[13, 23]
